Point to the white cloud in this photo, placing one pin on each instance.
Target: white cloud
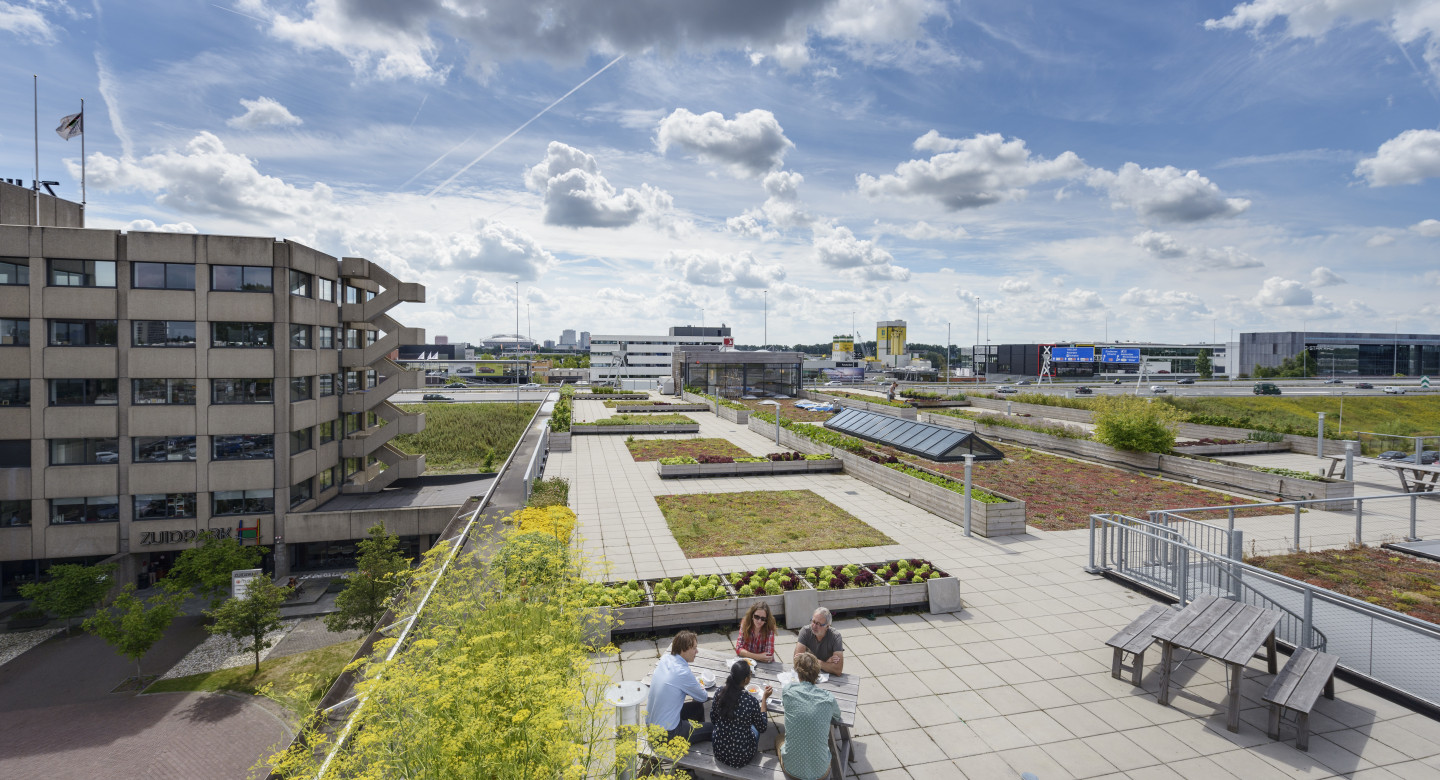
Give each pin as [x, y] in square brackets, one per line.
[1324, 277]
[838, 248]
[970, 172]
[1166, 194]
[26, 21]
[1382, 239]
[1014, 286]
[204, 178]
[149, 226]
[710, 269]
[1409, 21]
[1164, 299]
[1429, 228]
[748, 146]
[497, 248]
[1164, 246]
[1278, 291]
[263, 112]
[889, 33]
[577, 195]
[1408, 158]
[749, 226]
[920, 231]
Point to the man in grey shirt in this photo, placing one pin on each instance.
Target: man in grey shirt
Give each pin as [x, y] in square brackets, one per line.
[823, 642]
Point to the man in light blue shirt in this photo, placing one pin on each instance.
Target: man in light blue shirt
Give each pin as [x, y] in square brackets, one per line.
[672, 681]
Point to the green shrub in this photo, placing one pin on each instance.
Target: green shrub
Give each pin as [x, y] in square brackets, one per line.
[532, 560]
[1270, 436]
[643, 419]
[554, 491]
[1126, 422]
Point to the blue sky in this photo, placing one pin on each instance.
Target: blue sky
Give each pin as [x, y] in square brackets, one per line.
[1161, 170]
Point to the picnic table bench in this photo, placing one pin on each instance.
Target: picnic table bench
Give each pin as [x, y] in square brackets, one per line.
[1227, 631]
[1306, 675]
[844, 687]
[1414, 478]
[1135, 639]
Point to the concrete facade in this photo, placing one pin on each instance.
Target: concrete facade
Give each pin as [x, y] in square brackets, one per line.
[142, 391]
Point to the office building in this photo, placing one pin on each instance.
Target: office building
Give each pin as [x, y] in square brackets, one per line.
[1345, 354]
[646, 359]
[567, 338]
[735, 374]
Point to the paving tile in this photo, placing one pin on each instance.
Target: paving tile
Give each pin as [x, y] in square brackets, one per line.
[1358, 742]
[1039, 727]
[941, 681]
[1000, 733]
[957, 740]
[873, 755]
[1079, 759]
[904, 686]
[1402, 739]
[889, 716]
[1080, 721]
[935, 770]
[984, 766]
[1037, 761]
[1007, 700]
[1161, 744]
[929, 711]
[977, 677]
[919, 660]
[914, 745]
[1115, 713]
[1044, 694]
[1123, 753]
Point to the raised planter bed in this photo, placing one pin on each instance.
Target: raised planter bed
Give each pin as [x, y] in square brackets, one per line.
[737, 416]
[904, 413]
[1241, 448]
[695, 613]
[616, 430]
[611, 397]
[664, 408]
[559, 442]
[934, 403]
[768, 468]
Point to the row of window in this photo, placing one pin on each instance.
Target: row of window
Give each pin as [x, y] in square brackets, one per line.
[181, 392]
[15, 453]
[178, 276]
[181, 333]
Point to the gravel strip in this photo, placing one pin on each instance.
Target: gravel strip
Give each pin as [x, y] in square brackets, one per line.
[13, 643]
[218, 652]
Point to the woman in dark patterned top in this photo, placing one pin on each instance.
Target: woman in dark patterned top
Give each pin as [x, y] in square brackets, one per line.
[738, 718]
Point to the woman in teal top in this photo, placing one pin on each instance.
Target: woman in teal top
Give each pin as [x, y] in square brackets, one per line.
[809, 711]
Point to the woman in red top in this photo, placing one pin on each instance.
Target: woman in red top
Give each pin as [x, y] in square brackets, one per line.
[757, 634]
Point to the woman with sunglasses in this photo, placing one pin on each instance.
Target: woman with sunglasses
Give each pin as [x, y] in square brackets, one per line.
[757, 634]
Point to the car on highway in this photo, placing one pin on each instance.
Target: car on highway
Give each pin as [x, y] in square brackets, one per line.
[1117, 382]
[530, 386]
[1364, 386]
[1156, 389]
[1427, 458]
[1392, 455]
[1394, 390]
[1083, 390]
[1334, 381]
[1265, 388]
[582, 383]
[435, 397]
[1006, 389]
[1186, 381]
[1023, 382]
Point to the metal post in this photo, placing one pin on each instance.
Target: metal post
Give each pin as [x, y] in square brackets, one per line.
[1091, 568]
[1359, 527]
[1237, 547]
[1182, 588]
[1007, 408]
[1413, 499]
[626, 697]
[1349, 461]
[970, 461]
[1320, 437]
[1307, 619]
[1418, 442]
[1232, 519]
[1296, 548]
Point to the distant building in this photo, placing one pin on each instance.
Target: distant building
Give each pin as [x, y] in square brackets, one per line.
[584, 339]
[567, 338]
[1344, 354]
[734, 374]
[442, 340]
[509, 342]
[890, 343]
[647, 358]
[549, 343]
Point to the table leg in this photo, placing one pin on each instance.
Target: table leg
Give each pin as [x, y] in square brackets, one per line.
[850, 743]
[1232, 722]
[1167, 654]
[1270, 651]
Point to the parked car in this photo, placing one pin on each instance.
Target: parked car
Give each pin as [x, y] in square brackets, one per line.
[582, 383]
[1266, 388]
[1023, 382]
[1392, 455]
[435, 397]
[1394, 390]
[1006, 389]
[1156, 389]
[1083, 390]
[1334, 381]
[530, 386]
[1364, 386]
[1186, 381]
[1427, 458]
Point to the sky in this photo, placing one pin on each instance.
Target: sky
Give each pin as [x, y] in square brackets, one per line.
[1033, 171]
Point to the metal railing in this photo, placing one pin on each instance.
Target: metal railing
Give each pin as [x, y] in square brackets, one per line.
[1391, 649]
[1333, 522]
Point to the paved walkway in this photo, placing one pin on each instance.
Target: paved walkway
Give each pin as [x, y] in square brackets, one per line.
[1017, 682]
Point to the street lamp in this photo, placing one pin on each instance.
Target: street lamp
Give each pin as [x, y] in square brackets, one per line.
[775, 404]
[765, 317]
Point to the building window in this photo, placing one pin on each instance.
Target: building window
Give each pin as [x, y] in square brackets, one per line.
[241, 278]
[94, 509]
[242, 391]
[352, 294]
[352, 382]
[326, 383]
[326, 289]
[82, 333]
[327, 431]
[299, 336]
[352, 338]
[82, 273]
[352, 422]
[15, 513]
[162, 276]
[84, 452]
[324, 338]
[163, 449]
[300, 441]
[299, 388]
[160, 506]
[162, 333]
[14, 333]
[14, 453]
[250, 446]
[242, 502]
[242, 334]
[83, 392]
[301, 491]
[163, 391]
[300, 283]
[351, 465]
[327, 479]
[14, 392]
[14, 271]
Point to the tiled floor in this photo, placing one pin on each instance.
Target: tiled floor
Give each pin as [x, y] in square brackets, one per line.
[1017, 682]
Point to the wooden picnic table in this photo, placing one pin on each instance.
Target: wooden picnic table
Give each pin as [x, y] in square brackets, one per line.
[1227, 631]
[1422, 478]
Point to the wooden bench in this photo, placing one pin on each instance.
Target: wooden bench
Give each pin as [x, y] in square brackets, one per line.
[766, 765]
[1297, 687]
[1135, 639]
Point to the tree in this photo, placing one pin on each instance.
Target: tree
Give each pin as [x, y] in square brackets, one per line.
[133, 626]
[71, 589]
[248, 620]
[1203, 366]
[380, 574]
[1126, 422]
[209, 566]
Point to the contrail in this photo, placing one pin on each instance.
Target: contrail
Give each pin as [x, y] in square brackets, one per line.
[418, 110]
[442, 185]
[238, 13]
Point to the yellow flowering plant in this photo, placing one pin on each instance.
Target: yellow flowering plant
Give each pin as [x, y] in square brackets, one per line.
[558, 521]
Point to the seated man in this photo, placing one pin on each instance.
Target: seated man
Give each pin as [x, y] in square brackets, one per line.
[806, 750]
[823, 642]
[670, 684]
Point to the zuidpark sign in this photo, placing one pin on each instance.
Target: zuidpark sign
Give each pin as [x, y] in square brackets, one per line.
[181, 537]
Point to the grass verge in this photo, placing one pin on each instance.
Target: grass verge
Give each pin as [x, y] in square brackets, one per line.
[709, 525]
[655, 449]
[462, 438]
[296, 681]
[1381, 577]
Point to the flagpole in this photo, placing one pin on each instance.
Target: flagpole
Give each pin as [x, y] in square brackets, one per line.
[82, 159]
[36, 103]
